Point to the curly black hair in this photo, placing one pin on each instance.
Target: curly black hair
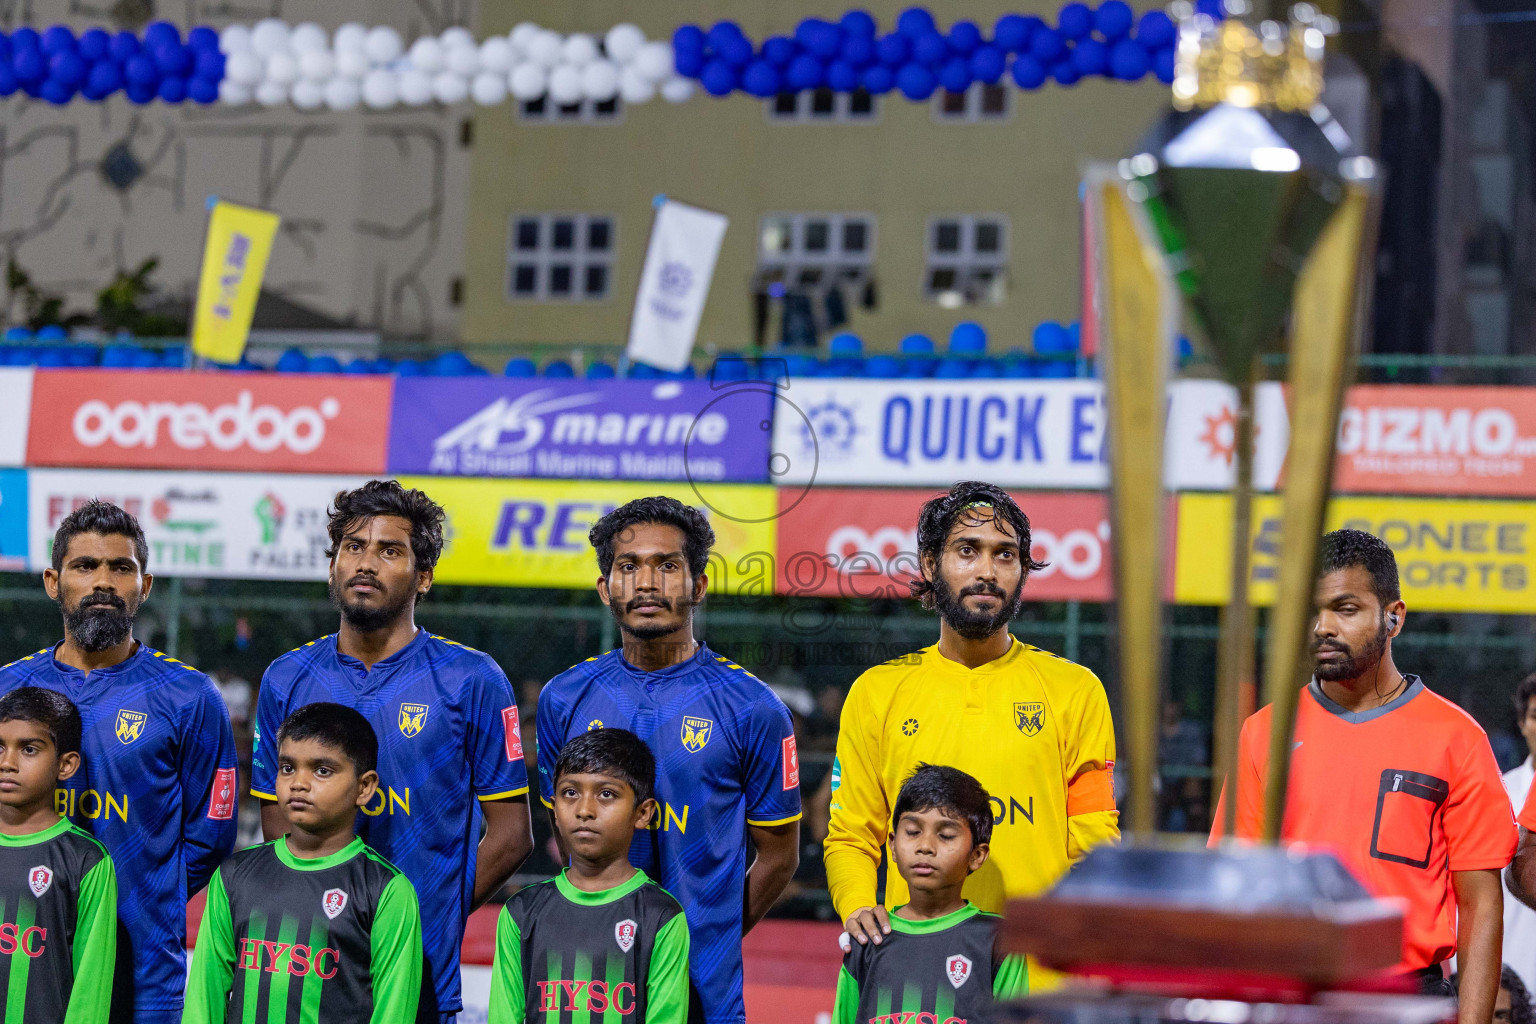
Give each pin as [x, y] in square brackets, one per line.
[388, 498]
[105, 518]
[940, 787]
[1351, 549]
[939, 516]
[698, 535]
[1520, 1011]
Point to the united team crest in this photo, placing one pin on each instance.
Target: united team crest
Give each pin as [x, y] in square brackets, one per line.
[624, 934]
[696, 733]
[1030, 718]
[39, 879]
[958, 970]
[130, 726]
[333, 902]
[413, 718]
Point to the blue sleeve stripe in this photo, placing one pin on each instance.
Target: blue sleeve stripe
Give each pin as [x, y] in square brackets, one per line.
[502, 795]
[777, 821]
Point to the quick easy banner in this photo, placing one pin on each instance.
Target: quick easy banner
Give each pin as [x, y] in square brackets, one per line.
[533, 533]
[234, 262]
[15, 414]
[576, 429]
[1452, 555]
[224, 525]
[13, 520]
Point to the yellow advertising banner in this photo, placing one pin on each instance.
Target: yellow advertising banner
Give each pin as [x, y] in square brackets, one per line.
[1452, 555]
[234, 263]
[533, 533]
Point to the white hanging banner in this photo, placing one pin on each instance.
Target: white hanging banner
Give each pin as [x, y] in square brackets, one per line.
[679, 263]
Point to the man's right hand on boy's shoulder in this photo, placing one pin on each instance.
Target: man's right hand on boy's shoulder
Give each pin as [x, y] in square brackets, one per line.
[868, 924]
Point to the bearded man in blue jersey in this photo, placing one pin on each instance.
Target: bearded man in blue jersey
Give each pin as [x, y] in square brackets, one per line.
[157, 785]
[450, 749]
[727, 776]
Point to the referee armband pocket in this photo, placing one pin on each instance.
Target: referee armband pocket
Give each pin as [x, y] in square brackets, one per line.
[1406, 805]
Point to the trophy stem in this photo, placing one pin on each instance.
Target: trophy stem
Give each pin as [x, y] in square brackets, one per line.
[1234, 652]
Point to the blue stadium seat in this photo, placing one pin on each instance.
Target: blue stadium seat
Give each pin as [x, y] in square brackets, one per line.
[917, 345]
[1055, 369]
[518, 366]
[731, 366]
[559, 369]
[968, 340]
[802, 366]
[19, 335]
[686, 373]
[952, 369]
[358, 367]
[914, 367]
[52, 359]
[118, 356]
[292, 361]
[52, 333]
[325, 364]
[411, 368]
[451, 364]
[173, 357]
[882, 367]
[1051, 338]
[843, 366]
[1015, 368]
[845, 346]
[986, 369]
[144, 359]
[643, 371]
[600, 371]
[79, 356]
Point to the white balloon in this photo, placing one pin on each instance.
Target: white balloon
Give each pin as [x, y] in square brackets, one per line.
[415, 88]
[488, 88]
[308, 36]
[352, 64]
[565, 85]
[654, 61]
[244, 68]
[579, 50]
[521, 35]
[308, 94]
[233, 93]
[380, 89]
[622, 42]
[677, 89]
[351, 36]
[463, 61]
[450, 88]
[600, 80]
[635, 87]
[234, 39]
[282, 68]
[426, 55]
[341, 94]
[383, 44]
[544, 47]
[457, 35]
[316, 66]
[269, 36]
[271, 94]
[496, 55]
[527, 81]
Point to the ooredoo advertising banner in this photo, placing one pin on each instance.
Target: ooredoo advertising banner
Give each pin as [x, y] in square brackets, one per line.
[172, 419]
[229, 525]
[15, 409]
[13, 520]
[579, 429]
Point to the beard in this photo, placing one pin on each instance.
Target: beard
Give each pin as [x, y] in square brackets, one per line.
[370, 619]
[975, 625]
[646, 631]
[1353, 665]
[101, 620]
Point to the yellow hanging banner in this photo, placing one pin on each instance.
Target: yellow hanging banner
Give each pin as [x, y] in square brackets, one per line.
[234, 263]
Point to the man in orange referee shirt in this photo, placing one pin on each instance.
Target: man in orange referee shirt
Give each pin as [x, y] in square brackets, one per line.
[1398, 781]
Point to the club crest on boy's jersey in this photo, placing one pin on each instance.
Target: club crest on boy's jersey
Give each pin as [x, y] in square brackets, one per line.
[1029, 717]
[957, 969]
[413, 718]
[696, 733]
[130, 726]
[624, 934]
[333, 902]
[39, 879]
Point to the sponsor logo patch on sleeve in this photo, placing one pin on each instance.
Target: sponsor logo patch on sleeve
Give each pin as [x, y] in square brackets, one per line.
[221, 802]
[791, 764]
[513, 733]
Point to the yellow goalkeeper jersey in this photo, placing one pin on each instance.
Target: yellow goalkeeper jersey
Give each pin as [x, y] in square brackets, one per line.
[1033, 727]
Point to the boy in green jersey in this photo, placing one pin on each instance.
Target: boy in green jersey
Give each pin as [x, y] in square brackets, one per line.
[58, 891]
[315, 927]
[600, 939]
[941, 963]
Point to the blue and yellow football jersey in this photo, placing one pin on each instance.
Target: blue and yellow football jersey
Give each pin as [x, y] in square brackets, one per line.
[157, 787]
[725, 758]
[448, 735]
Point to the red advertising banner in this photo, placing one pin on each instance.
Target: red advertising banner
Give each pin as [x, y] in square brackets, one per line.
[171, 419]
[863, 543]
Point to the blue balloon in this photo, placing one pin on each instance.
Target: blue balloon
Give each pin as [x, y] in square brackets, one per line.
[690, 38]
[914, 21]
[805, 72]
[1213, 8]
[159, 33]
[736, 52]
[820, 38]
[893, 50]
[5, 46]
[124, 45]
[964, 36]
[929, 48]
[1129, 60]
[718, 78]
[722, 32]
[94, 44]
[57, 93]
[8, 81]
[210, 65]
[858, 50]
[1075, 21]
[68, 68]
[859, 23]
[1028, 72]
[142, 72]
[761, 79]
[877, 79]
[1090, 56]
[203, 90]
[173, 59]
[955, 76]
[58, 39]
[1155, 29]
[26, 38]
[842, 76]
[34, 88]
[968, 338]
[173, 89]
[916, 82]
[1051, 338]
[988, 64]
[1163, 65]
[1047, 46]
[689, 63]
[203, 38]
[31, 66]
[779, 50]
[1065, 72]
[1012, 32]
[105, 77]
[1114, 19]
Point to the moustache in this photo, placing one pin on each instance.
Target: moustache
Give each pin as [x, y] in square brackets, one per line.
[659, 602]
[1329, 645]
[363, 577]
[105, 599]
[989, 589]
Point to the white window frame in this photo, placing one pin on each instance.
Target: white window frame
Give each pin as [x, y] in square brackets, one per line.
[970, 266]
[545, 256]
[842, 109]
[553, 113]
[973, 112]
[833, 264]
